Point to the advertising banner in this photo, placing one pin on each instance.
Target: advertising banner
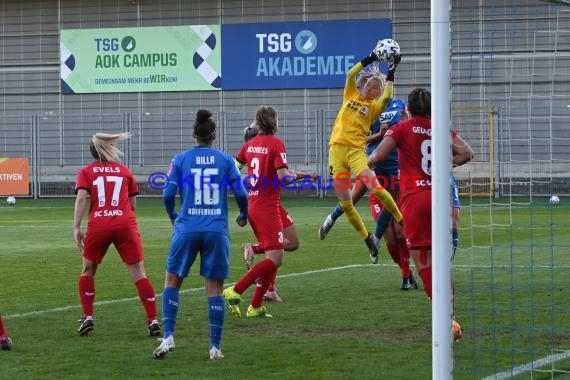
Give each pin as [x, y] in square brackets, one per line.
[275, 55]
[315, 54]
[172, 58]
[14, 176]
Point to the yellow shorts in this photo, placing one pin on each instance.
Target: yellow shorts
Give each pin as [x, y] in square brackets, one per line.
[344, 160]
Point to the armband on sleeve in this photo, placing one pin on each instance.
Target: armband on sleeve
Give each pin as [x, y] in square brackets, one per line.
[239, 165]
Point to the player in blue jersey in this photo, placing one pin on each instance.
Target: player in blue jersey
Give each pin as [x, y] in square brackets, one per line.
[455, 212]
[455, 205]
[202, 176]
[387, 173]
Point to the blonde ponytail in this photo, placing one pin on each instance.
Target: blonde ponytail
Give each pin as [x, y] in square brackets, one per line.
[103, 146]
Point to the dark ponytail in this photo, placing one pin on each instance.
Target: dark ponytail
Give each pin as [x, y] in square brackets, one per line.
[419, 102]
[204, 126]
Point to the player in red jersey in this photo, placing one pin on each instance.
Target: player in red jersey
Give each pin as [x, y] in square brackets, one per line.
[413, 140]
[111, 189]
[266, 158]
[5, 341]
[291, 239]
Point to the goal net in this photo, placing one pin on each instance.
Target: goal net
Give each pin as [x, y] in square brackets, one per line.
[512, 268]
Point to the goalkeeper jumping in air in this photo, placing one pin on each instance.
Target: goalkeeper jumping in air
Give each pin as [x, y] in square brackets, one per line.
[366, 94]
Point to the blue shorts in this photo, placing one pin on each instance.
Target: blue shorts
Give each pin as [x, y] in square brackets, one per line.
[214, 249]
[454, 193]
[388, 177]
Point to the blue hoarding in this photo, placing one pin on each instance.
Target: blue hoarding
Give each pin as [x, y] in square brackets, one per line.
[281, 55]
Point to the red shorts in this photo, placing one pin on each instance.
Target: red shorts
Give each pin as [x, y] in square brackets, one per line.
[127, 241]
[267, 225]
[285, 217]
[416, 208]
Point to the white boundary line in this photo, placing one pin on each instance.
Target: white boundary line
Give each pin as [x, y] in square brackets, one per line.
[499, 376]
[191, 290]
[529, 366]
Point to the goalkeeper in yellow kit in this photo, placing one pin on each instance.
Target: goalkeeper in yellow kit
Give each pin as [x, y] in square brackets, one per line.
[366, 93]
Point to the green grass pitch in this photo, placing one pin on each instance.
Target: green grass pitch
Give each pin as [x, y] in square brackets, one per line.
[342, 318]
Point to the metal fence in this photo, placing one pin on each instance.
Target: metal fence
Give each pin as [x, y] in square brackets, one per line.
[58, 145]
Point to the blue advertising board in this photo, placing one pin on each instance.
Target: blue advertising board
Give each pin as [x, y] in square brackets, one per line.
[278, 55]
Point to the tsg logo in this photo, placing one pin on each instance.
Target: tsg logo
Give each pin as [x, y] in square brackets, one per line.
[305, 42]
[128, 44]
[288, 55]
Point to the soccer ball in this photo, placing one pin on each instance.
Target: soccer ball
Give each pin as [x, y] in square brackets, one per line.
[11, 200]
[554, 200]
[387, 50]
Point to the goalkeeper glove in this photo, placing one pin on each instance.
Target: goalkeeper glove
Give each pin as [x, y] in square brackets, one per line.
[369, 59]
[392, 68]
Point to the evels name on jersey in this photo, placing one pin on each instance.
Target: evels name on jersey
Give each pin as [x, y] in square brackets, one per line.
[106, 169]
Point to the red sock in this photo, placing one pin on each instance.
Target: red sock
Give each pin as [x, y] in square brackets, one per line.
[404, 257]
[259, 270]
[394, 253]
[425, 274]
[257, 249]
[262, 285]
[271, 287]
[2, 329]
[86, 289]
[148, 298]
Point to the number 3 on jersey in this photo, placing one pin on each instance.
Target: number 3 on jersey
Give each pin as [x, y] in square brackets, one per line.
[254, 166]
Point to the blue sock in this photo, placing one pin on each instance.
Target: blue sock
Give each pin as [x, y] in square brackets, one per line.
[455, 240]
[382, 223]
[216, 319]
[336, 213]
[169, 310]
